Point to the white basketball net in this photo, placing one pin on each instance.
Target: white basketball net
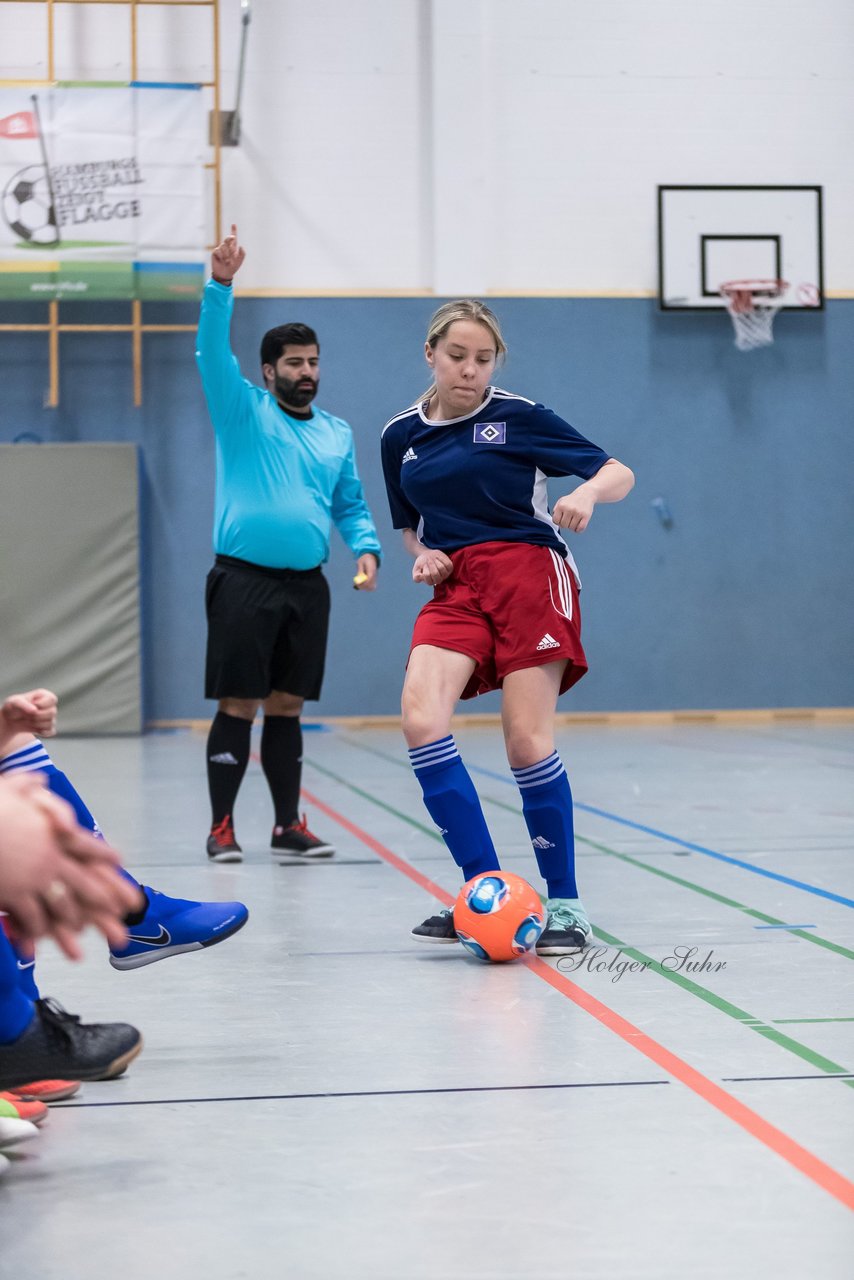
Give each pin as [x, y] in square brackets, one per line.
[753, 304]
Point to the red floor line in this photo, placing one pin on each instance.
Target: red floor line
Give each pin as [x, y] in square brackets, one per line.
[829, 1179]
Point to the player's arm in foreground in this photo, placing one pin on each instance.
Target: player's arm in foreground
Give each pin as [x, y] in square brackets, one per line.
[56, 878]
[24, 715]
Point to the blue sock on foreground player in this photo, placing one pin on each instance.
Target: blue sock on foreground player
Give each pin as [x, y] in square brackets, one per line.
[453, 804]
[165, 926]
[16, 1007]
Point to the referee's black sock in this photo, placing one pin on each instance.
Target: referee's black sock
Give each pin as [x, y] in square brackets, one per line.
[281, 760]
[228, 756]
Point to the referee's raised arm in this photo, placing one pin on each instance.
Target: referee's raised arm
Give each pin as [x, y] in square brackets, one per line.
[222, 380]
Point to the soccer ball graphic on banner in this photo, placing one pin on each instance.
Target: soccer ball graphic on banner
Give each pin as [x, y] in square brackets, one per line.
[28, 207]
[498, 916]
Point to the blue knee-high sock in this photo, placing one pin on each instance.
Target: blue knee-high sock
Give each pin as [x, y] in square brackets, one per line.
[25, 964]
[16, 1008]
[453, 804]
[61, 786]
[547, 810]
[34, 758]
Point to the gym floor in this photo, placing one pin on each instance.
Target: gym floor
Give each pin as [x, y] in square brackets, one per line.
[322, 1097]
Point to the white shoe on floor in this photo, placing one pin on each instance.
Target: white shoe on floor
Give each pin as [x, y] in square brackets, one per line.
[14, 1131]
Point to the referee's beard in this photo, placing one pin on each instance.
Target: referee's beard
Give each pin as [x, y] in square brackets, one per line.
[295, 394]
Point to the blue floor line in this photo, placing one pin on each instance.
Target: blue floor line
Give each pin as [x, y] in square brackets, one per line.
[687, 844]
[785, 926]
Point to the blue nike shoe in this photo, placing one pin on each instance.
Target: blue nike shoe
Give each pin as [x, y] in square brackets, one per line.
[173, 925]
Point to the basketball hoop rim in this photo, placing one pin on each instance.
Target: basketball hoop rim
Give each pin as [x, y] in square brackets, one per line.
[730, 289]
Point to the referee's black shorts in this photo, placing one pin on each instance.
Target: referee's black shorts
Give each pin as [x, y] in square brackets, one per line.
[267, 630]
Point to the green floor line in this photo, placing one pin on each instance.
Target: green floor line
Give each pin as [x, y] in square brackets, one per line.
[709, 997]
[815, 938]
[380, 804]
[724, 1006]
[807, 936]
[782, 1021]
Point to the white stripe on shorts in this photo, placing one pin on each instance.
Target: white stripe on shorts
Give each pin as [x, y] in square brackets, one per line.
[564, 587]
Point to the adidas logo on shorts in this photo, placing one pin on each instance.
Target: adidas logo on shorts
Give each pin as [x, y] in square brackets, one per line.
[548, 642]
[409, 456]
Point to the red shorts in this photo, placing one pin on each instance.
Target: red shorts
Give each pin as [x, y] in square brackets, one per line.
[507, 605]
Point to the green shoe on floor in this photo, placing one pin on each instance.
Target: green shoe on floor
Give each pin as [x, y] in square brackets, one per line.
[567, 928]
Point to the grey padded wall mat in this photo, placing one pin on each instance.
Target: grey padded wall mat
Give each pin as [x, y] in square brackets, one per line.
[69, 580]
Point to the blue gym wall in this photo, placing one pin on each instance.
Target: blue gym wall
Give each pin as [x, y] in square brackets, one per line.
[747, 600]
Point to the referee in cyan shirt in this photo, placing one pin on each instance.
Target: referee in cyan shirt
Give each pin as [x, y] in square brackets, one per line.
[285, 472]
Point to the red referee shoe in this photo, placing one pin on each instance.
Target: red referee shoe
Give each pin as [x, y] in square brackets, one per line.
[298, 842]
[222, 843]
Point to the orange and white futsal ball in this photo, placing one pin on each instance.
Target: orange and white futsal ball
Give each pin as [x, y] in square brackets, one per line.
[498, 916]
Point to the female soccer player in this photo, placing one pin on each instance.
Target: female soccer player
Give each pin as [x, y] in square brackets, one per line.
[465, 470]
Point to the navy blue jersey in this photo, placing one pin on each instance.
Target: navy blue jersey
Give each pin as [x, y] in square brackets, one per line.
[482, 478]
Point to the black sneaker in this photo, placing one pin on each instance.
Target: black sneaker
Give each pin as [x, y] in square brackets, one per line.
[57, 1045]
[297, 841]
[222, 845]
[438, 928]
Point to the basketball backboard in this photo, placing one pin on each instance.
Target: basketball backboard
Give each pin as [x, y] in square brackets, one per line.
[710, 235]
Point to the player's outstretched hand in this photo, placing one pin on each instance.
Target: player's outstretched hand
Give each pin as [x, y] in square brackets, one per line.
[432, 567]
[33, 712]
[227, 258]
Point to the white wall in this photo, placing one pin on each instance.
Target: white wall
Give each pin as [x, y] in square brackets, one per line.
[490, 145]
